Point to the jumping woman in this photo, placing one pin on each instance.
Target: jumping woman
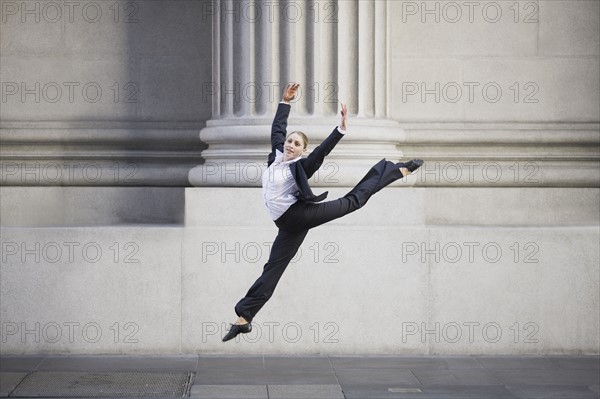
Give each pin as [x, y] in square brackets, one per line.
[293, 206]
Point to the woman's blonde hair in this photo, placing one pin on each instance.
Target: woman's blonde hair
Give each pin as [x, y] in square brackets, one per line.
[301, 134]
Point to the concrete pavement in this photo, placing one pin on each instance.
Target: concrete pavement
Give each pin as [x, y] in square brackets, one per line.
[305, 377]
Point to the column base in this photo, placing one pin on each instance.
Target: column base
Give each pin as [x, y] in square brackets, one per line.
[238, 150]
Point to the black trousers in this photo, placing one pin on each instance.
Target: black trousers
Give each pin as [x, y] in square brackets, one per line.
[294, 225]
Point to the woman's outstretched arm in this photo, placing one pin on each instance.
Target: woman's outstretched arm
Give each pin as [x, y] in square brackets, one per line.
[315, 159]
[279, 127]
[344, 122]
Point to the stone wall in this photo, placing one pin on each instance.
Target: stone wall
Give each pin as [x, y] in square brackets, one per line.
[111, 111]
[100, 93]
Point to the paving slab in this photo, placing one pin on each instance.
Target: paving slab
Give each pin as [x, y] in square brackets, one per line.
[463, 362]
[19, 363]
[441, 392]
[118, 363]
[331, 391]
[374, 378]
[297, 363]
[396, 362]
[250, 376]
[229, 392]
[577, 363]
[455, 377]
[381, 393]
[547, 377]
[552, 392]
[513, 362]
[229, 362]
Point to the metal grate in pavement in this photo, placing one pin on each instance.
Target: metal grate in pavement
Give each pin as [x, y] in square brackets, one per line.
[9, 380]
[103, 384]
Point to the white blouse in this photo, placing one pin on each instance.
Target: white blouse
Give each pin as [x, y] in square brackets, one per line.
[279, 186]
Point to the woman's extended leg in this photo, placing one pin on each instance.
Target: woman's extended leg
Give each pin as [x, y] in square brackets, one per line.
[308, 215]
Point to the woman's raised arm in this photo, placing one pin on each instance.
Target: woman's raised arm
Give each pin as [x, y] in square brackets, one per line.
[344, 122]
[290, 92]
[279, 127]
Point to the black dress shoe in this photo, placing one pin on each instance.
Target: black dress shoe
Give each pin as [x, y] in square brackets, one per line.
[411, 165]
[237, 329]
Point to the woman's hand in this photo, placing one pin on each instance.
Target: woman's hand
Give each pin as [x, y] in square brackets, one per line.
[290, 92]
[344, 112]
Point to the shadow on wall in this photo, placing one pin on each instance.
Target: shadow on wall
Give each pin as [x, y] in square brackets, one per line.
[91, 206]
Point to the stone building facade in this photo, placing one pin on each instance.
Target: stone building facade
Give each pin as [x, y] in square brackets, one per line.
[134, 134]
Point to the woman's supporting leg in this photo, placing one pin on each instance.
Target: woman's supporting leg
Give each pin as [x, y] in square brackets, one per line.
[284, 248]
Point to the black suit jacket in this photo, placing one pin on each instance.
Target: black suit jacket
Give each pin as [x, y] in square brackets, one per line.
[303, 169]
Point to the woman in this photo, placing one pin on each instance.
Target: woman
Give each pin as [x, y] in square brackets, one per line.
[293, 206]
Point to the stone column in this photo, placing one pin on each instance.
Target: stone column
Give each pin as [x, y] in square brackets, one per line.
[337, 51]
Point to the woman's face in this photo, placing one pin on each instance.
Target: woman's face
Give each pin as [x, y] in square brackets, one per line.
[293, 147]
